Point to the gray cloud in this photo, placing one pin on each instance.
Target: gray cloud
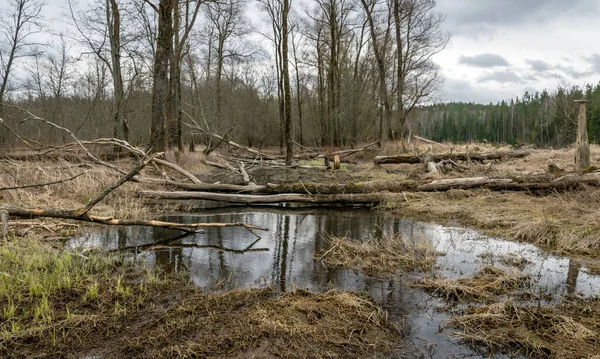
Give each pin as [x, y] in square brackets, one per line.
[504, 76]
[573, 72]
[461, 90]
[484, 60]
[594, 60]
[472, 17]
[538, 65]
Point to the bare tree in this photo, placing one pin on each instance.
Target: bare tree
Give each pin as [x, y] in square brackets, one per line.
[380, 40]
[174, 28]
[183, 22]
[289, 149]
[226, 22]
[296, 43]
[19, 21]
[274, 9]
[101, 30]
[419, 37]
[160, 73]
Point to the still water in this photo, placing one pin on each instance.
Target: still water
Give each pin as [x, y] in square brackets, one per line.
[284, 257]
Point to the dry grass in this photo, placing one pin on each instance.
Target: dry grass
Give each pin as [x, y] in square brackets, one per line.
[121, 203]
[380, 256]
[253, 323]
[563, 331]
[486, 285]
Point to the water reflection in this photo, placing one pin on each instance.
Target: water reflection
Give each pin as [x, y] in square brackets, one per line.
[288, 261]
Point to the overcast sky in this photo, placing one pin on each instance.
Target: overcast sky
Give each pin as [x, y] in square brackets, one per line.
[501, 48]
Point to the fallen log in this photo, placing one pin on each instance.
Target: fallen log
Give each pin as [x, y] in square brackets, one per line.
[368, 199]
[67, 214]
[319, 188]
[571, 181]
[476, 157]
[462, 183]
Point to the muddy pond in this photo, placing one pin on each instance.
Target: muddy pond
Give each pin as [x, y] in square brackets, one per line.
[284, 257]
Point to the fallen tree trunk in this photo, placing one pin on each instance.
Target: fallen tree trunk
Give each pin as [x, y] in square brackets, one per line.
[368, 199]
[571, 181]
[66, 214]
[476, 157]
[309, 188]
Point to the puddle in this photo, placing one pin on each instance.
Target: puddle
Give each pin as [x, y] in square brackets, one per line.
[284, 257]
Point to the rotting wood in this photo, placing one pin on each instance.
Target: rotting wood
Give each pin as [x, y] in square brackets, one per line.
[582, 154]
[476, 157]
[66, 214]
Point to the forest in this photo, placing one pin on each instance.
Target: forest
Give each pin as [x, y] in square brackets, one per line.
[336, 72]
[543, 119]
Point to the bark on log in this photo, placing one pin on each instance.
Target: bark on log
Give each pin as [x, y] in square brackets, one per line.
[477, 157]
[462, 183]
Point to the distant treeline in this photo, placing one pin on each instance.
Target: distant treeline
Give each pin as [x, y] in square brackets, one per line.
[543, 119]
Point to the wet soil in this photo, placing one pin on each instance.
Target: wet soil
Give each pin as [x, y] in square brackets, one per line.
[287, 258]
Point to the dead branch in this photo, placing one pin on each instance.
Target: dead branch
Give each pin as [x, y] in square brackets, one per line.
[244, 174]
[196, 126]
[116, 185]
[422, 139]
[43, 184]
[66, 214]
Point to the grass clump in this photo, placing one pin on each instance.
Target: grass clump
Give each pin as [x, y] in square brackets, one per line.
[562, 331]
[48, 295]
[380, 256]
[487, 284]
[257, 323]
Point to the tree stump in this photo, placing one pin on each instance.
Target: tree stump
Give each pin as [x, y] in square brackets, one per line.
[582, 154]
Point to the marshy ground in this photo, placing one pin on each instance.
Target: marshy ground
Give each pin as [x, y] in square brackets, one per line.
[73, 301]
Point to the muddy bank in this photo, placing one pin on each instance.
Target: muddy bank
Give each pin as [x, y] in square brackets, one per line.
[51, 308]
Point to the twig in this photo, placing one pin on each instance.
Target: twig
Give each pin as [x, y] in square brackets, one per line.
[42, 184]
[329, 250]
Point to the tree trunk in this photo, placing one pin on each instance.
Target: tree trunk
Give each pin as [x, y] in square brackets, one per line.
[289, 147]
[160, 76]
[582, 156]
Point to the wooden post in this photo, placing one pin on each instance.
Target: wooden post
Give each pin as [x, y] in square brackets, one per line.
[582, 154]
[4, 224]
